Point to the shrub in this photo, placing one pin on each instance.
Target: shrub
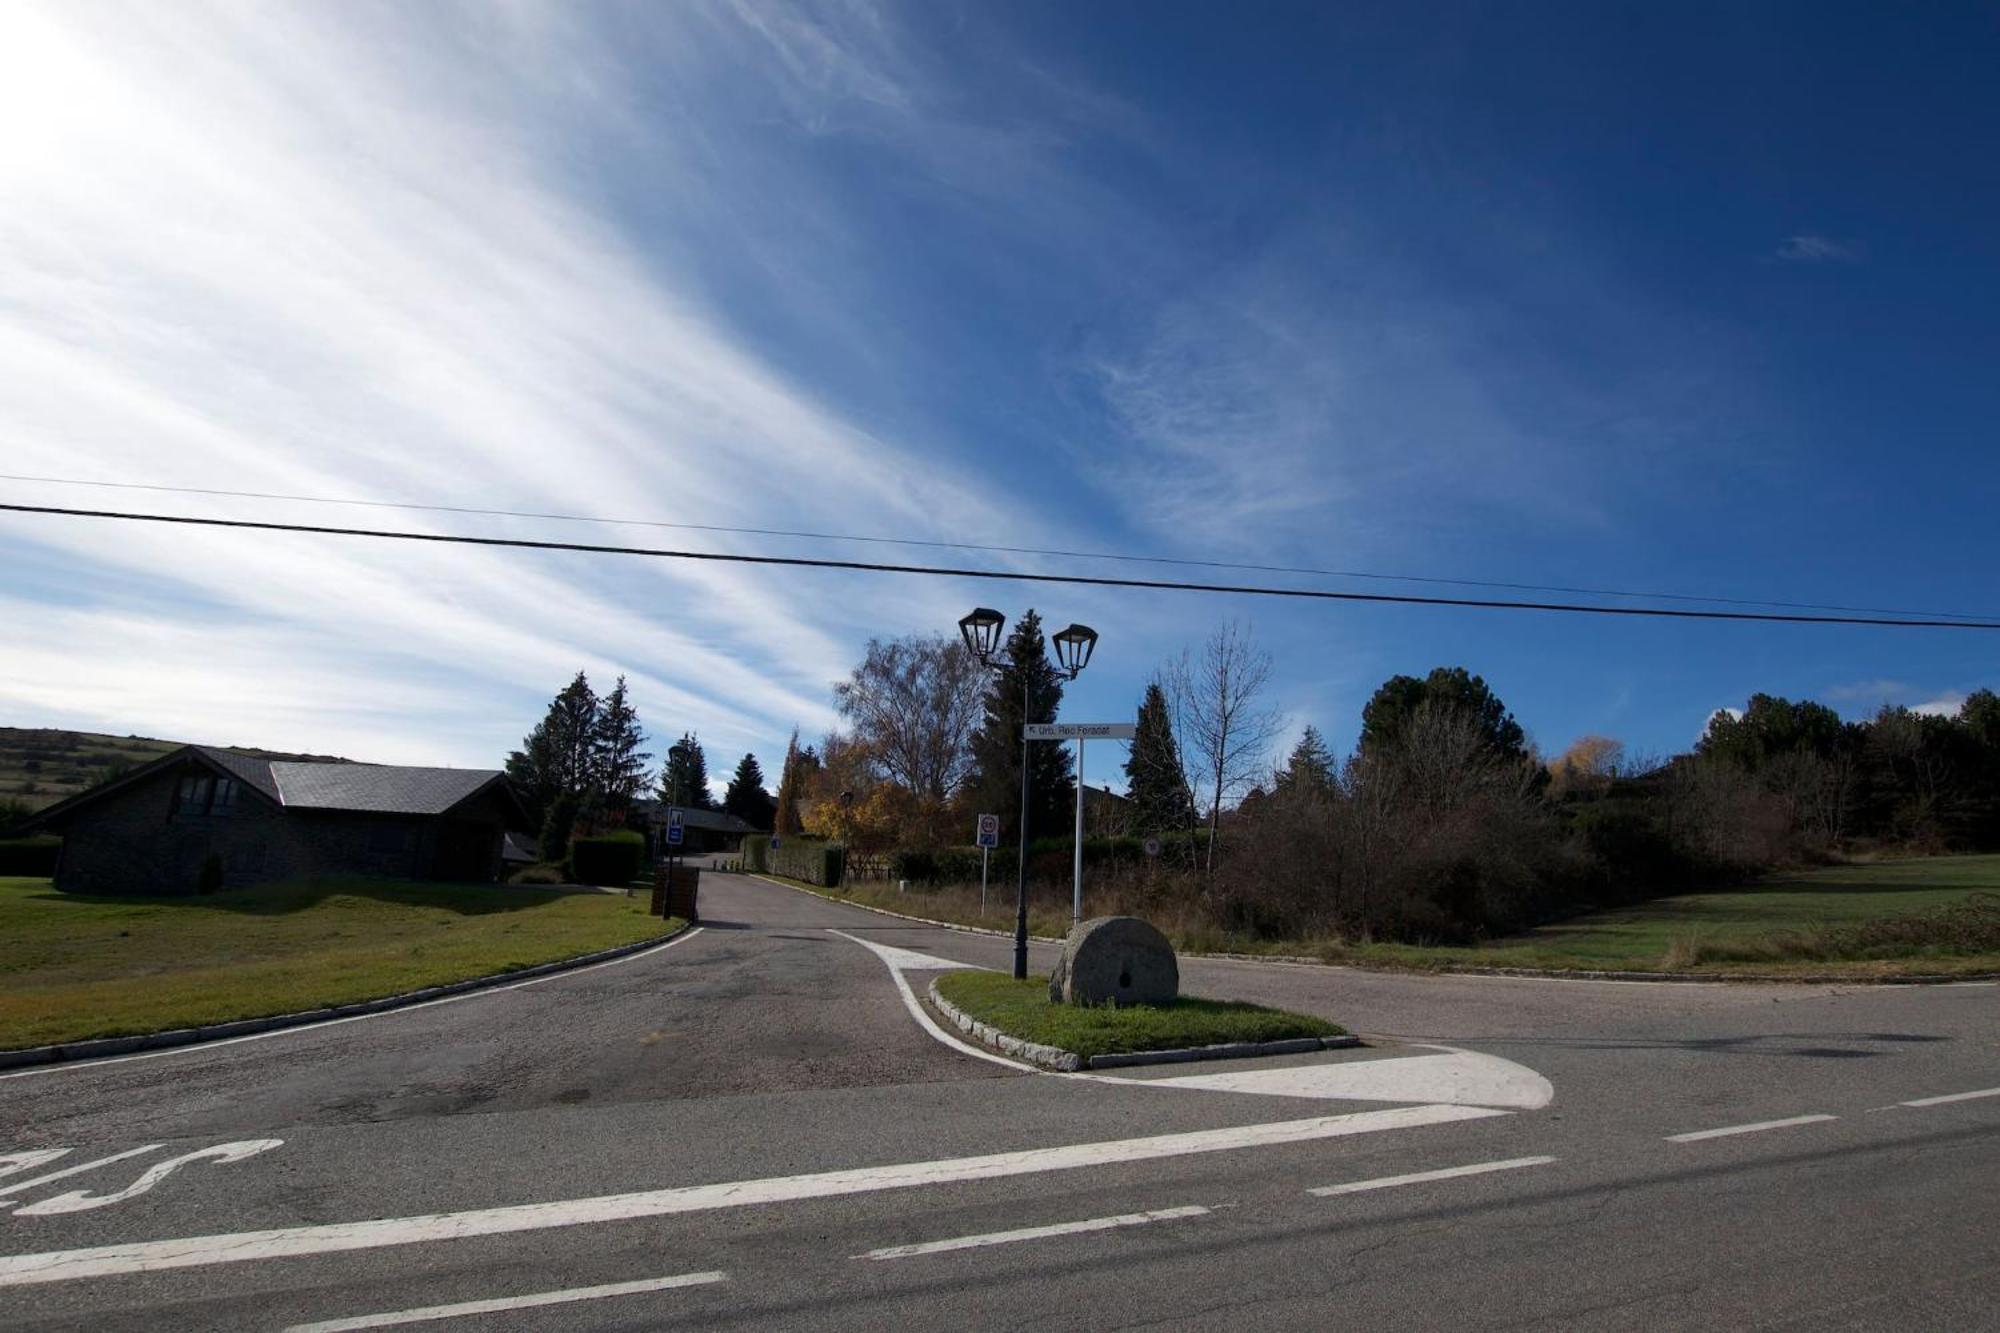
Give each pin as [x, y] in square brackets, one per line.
[756, 854]
[607, 858]
[808, 859]
[540, 873]
[30, 856]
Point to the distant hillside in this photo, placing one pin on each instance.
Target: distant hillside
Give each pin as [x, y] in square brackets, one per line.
[39, 767]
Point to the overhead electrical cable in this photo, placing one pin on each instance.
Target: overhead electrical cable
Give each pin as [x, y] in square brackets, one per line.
[933, 543]
[1003, 575]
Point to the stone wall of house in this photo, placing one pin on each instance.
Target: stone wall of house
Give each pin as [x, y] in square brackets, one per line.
[133, 841]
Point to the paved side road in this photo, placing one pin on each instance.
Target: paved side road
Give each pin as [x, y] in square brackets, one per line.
[748, 1127]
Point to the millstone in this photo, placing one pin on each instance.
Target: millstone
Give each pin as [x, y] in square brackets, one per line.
[1117, 959]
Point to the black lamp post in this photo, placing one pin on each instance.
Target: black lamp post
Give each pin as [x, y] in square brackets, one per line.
[677, 757]
[981, 632]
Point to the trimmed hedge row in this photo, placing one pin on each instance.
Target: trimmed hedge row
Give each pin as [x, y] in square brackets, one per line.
[808, 859]
[1046, 857]
[607, 858]
[30, 857]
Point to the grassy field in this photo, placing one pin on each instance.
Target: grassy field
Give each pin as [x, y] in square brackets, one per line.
[1809, 922]
[75, 967]
[1022, 1009]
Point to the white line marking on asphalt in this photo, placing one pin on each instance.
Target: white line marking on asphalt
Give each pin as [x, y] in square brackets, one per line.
[1420, 1177]
[1464, 1078]
[565, 1297]
[13, 1163]
[20, 1187]
[1727, 1130]
[901, 959]
[924, 1020]
[1954, 1097]
[286, 1242]
[1035, 1233]
[197, 1047]
[80, 1201]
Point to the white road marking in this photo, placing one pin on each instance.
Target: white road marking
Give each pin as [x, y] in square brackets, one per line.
[1954, 1097]
[565, 1297]
[918, 1012]
[1728, 1130]
[12, 1163]
[78, 1201]
[900, 959]
[1462, 1078]
[1035, 1233]
[20, 1187]
[285, 1242]
[1420, 1177]
[195, 1048]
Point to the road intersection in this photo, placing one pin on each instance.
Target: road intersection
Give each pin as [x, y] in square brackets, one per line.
[749, 1126]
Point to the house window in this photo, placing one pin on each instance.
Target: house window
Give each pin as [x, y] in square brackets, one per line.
[194, 795]
[225, 796]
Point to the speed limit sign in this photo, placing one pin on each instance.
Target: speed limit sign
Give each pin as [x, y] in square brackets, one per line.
[989, 831]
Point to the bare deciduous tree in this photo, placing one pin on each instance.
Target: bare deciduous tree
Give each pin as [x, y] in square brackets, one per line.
[1215, 702]
[914, 703]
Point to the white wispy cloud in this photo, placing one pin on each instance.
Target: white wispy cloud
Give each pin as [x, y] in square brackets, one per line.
[337, 252]
[1811, 248]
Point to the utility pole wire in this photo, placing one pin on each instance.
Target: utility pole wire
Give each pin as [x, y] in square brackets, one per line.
[991, 548]
[1005, 575]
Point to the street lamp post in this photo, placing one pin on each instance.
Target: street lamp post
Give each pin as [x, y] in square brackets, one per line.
[846, 810]
[981, 632]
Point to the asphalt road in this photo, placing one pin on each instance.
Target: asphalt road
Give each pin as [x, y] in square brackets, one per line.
[749, 1127]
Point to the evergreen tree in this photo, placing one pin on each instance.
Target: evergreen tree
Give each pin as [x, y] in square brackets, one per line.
[996, 746]
[684, 780]
[619, 762]
[1309, 770]
[558, 758]
[1158, 782]
[746, 797]
[1453, 689]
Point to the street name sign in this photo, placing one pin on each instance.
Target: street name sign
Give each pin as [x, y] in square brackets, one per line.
[1081, 731]
[989, 831]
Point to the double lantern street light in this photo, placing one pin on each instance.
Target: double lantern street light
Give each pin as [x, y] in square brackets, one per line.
[981, 631]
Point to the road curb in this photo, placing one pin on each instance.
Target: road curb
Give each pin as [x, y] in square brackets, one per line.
[1455, 969]
[66, 1052]
[1069, 1062]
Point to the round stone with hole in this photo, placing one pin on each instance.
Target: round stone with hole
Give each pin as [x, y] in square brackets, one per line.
[1115, 959]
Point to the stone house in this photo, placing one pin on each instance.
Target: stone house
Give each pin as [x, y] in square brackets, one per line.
[155, 829]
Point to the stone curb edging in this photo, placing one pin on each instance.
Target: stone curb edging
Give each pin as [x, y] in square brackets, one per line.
[1069, 1062]
[1458, 969]
[66, 1052]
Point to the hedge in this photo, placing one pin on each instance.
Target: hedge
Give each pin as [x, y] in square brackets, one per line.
[607, 858]
[30, 857]
[809, 859]
[960, 865]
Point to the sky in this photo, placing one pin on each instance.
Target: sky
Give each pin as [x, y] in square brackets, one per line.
[1694, 299]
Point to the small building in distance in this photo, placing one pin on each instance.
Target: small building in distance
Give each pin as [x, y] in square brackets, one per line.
[204, 813]
[702, 831]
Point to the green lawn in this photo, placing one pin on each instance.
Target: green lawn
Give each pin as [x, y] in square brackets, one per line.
[74, 967]
[1022, 1009]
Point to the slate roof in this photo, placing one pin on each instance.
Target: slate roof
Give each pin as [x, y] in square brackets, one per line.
[377, 788]
[248, 769]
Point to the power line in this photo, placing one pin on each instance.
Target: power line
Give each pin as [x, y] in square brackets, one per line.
[936, 571]
[934, 544]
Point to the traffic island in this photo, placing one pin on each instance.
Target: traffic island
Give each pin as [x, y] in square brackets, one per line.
[1019, 1019]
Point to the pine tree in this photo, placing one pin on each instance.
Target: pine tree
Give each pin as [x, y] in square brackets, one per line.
[684, 780]
[1157, 779]
[619, 762]
[557, 758]
[1309, 770]
[746, 797]
[996, 746]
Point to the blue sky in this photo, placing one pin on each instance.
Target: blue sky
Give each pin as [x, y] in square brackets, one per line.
[1693, 298]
